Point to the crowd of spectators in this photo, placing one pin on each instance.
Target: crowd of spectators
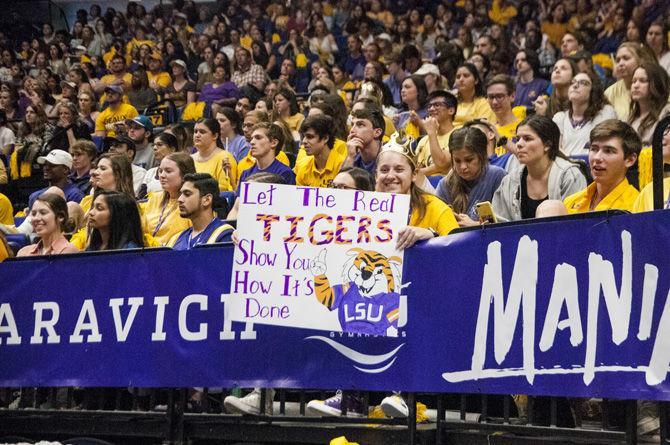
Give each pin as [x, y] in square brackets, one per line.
[127, 129]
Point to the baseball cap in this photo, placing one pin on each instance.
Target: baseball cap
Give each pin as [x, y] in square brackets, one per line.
[68, 84]
[179, 62]
[428, 68]
[123, 139]
[156, 55]
[114, 89]
[384, 36]
[56, 157]
[142, 121]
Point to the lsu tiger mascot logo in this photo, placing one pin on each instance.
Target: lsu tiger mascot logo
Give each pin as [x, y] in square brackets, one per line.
[369, 300]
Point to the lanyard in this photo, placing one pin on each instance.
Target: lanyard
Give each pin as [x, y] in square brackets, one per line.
[162, 218]
[194, 241]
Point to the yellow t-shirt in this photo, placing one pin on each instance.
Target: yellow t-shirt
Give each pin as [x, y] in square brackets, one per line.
[108, 79]
[86, 203]
[6, 211]
[249, 161]
[162, 79]
[424, 158]
[389, 128]
[293, 122]
[163, 220]
[137, 43]
[622, 198]
[307, 174]
[214, 167]
[644, 165]
[438, 217]
[477, 109]
[619, 96]
[509, 130]
[645, 200]
[107, 118]
[339, 146]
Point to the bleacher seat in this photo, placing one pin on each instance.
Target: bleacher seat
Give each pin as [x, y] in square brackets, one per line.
[434, 180]
[229, 197]
[17, 240]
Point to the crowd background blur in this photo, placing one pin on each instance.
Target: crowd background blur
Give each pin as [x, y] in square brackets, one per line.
[132, 126]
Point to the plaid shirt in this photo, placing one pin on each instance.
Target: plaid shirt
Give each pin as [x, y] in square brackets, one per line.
[254, 75]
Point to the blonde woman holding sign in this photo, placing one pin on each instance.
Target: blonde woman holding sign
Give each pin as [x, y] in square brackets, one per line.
[397, 173]
[429, 217]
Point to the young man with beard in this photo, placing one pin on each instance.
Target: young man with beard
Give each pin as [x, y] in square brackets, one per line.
[115, 115]
[196, 200]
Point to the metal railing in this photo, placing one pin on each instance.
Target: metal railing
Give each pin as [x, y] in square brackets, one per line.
[122, 415]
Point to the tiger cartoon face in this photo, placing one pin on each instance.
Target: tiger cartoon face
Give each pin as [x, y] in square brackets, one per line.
[372, 272]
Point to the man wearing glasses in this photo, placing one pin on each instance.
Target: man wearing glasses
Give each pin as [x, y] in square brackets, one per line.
[433, 150]
[500, 94]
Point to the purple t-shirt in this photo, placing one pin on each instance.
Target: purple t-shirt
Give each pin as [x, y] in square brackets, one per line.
[365, 315]
[526, 93]
[226, 90]
[276, 167]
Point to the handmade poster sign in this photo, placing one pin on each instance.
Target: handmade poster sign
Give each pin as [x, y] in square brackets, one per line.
[319, 258]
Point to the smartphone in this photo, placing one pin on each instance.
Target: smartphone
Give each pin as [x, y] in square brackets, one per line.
[485, 212]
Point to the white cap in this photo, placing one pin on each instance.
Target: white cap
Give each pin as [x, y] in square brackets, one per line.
[428, 68]
[384, 36]
[56, 157]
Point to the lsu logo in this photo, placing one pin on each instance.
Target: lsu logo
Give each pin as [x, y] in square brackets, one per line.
[368, 300]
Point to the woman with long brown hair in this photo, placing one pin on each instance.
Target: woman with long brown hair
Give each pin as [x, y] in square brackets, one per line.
[471, 179]
[629, 57]
[649, 94]
[587, 107]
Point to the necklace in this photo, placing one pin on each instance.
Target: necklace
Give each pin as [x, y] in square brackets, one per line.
[577, 124]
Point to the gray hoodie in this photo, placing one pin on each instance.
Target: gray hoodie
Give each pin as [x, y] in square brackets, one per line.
[565, 178]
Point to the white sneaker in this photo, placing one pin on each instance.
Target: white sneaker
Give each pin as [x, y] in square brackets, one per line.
[249, 404]
[395, 406]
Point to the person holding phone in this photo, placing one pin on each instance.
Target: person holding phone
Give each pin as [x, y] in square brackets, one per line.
[471, 180]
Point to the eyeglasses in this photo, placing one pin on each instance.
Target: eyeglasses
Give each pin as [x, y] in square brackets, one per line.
[493, 97]
[335, 185]
[580, 83]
